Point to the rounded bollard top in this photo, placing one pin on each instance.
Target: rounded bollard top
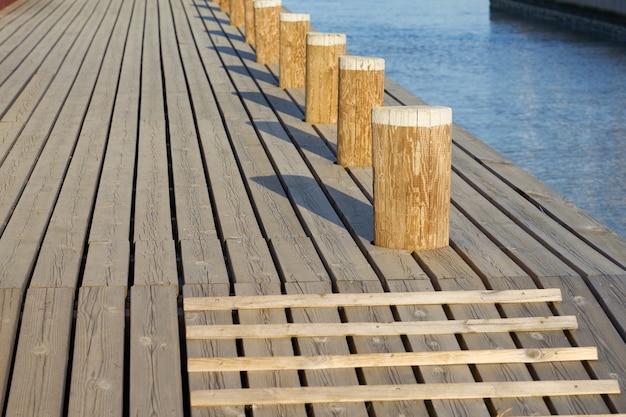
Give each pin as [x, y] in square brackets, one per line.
[412, 116]
[361, 63]
[325, 39]
[295, 17]
[259, 4]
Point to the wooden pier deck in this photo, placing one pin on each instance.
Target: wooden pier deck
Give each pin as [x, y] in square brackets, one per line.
[147, 163]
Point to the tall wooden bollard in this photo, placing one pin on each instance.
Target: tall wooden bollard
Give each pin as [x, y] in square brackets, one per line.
[267, 30]
[412, 149]
[361, 88]
[292, 68]
[322, 76]
[225, 6]
[237, 13]
[249, 21]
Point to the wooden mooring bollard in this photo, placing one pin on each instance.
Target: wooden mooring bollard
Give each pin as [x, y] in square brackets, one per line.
[237, 13]
[361, 88]
[249, 21]
[322, 76]
[412, 154]
[225, 6]
[267, 30]
[292, 68]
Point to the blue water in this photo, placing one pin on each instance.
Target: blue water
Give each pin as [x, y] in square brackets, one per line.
[550, 99]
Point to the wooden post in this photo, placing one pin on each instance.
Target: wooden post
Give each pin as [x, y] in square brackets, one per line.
[361, 88]
[322, 76]
[412, 148]
[225, 6]
[237, 13]
[267, 30]
[249, 21]
[293, 30]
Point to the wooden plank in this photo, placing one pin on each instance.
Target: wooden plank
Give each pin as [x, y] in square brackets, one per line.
[372, 360]
[10, 306]
[60, 260]
[417, 392]
[212, 348]
[194, 214]
[153, 216]
[595, 329]
[20, 66]
[31, 215]
[373, 299]
[97, 382]
[250, 261]
[236, 216]
[544, 228]
[268, 347]
[298, 261]
[38, 382]
[437, 343]
[324, 346]
[155, 369]
[107, 264]
[112, 211]
[203, 261]
[488, 258]
[382, 329]
[155, 263]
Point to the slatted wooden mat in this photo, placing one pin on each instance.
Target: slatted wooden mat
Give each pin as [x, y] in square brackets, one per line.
[146, 159]
[275, 396]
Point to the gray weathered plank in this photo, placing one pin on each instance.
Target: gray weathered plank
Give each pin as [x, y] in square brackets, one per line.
[38, 383]
[10, 306]
[155, 369]
[97, 381]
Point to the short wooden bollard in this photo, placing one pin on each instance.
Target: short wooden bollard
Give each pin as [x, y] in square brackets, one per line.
[249, 21]
[267, 30]
[292, 68]
[322, 76]
[361, 88]
[412, 149]
[237, 13]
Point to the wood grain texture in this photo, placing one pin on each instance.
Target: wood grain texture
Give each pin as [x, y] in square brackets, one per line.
[250, 34]
[38, 383]
[155, 369]
[346, 299]
[203, 261]
[10, 306]
[268, 347]
[470, 326]
[361, 88]
[373, 360]
[212, 348]
[419, 392]
[250, 261]
[107, 264]
[237, 13]
[322, 76]
[267, 31]
[297, 260]
[97, 382]
[411, 179]
[321, 346]
[293, 30]
[155, 263]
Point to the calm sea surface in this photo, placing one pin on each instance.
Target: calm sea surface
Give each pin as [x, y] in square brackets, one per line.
[550, 99]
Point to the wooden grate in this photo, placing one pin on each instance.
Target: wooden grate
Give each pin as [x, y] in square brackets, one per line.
[403, 392]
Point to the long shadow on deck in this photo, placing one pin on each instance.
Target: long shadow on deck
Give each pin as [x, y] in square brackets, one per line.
[326, 202]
